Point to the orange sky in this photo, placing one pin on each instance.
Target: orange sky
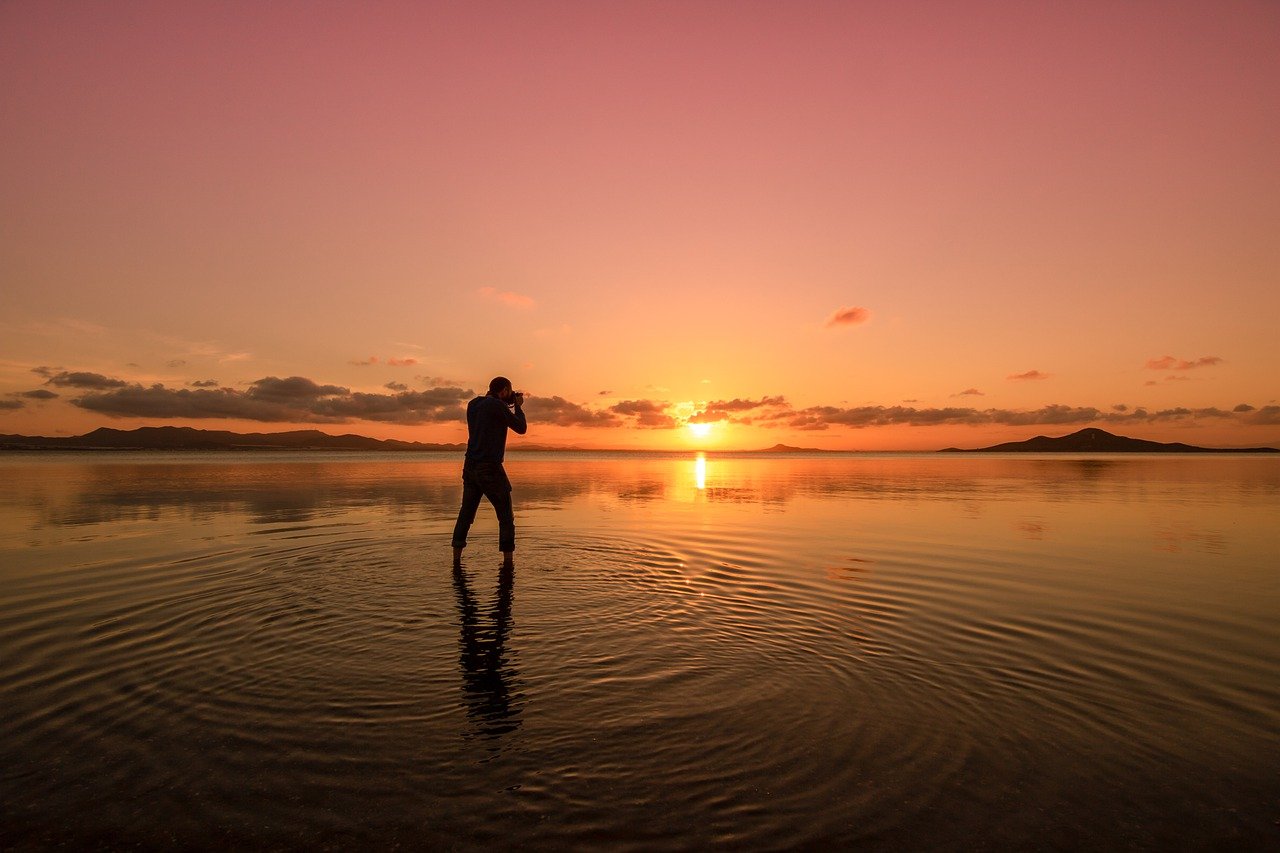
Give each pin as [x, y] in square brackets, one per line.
[841, 225]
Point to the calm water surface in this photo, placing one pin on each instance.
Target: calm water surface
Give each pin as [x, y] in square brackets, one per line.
[897, 652]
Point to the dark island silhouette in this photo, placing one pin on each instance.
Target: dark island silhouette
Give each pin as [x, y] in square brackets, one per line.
[188, 438]
[1094, 440]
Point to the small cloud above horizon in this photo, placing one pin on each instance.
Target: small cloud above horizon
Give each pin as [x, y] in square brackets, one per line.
[506, 297]
[969, 392]
[1168, 362]
[408, 361]
[850, 316]
[1030, 374]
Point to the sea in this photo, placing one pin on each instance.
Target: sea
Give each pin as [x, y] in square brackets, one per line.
[940, 651]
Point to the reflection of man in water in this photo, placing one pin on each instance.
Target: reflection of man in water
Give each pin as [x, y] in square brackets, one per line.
[488, 419]
[486, 668]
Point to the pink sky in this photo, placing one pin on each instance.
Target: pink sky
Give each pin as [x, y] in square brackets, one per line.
[840, 225]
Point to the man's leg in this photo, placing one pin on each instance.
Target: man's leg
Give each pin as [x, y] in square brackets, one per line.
[471, 495]
[501, 500]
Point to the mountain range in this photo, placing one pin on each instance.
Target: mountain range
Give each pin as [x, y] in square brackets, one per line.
[188, 438]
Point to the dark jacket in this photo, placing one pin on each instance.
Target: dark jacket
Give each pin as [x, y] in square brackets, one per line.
[488, 420]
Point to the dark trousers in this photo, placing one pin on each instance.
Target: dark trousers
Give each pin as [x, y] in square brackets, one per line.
[488, 480]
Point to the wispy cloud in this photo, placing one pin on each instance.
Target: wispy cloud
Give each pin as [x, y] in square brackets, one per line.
[850, 316]
[506, 297]
[1168, 362]
[969, 392]
[406, 361]
[11, 405]
[39, 394]
[1030, 374]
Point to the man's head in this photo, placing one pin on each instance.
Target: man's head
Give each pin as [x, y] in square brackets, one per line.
[500, 387]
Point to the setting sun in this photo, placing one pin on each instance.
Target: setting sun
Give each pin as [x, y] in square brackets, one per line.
[700, 430]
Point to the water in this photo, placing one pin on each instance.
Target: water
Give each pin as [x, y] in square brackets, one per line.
[895, 652]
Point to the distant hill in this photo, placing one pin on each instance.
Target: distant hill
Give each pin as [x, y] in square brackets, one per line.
[786, 448]
[1093, 440]
[188, 438]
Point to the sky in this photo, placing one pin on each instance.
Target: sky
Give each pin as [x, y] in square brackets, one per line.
[717, 225]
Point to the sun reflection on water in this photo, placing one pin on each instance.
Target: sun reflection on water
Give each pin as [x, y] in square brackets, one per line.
[700, 471]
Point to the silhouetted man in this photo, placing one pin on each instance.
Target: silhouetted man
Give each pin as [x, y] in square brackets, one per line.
[488, 419]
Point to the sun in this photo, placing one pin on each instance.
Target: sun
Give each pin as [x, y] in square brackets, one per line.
[700, 430]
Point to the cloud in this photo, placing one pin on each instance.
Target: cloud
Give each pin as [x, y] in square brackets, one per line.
[407, 361]
[1243, 407]
[174, 363]
[1266, 416]
[293, 388]
[1030, 374]
[558, 411]
[294, 399]
[605, 393]
[84, 380]
[823, 417]
[969, 392]
[725, 410]
[506, 297]
[649, 414]
[39, 394]
[850, 316]
[204, 383]
[1168, 362]
[440, 381]
[11, 405]
[46, 371]
[396, 386]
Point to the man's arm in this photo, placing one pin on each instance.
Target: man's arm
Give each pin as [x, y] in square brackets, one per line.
[515, 417]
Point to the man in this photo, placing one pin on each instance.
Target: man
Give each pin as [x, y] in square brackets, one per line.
[488, 419]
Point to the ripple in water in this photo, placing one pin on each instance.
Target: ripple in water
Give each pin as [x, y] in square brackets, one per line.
[330, 680]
